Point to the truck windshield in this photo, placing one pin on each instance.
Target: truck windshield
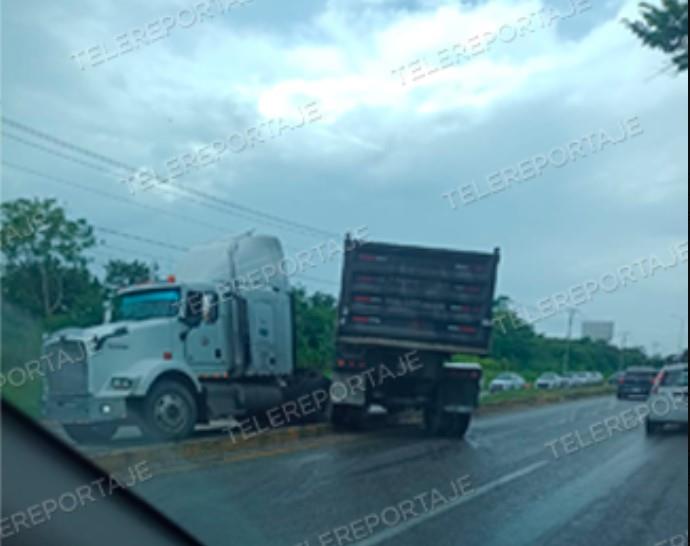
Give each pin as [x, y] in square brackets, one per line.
[146, 305]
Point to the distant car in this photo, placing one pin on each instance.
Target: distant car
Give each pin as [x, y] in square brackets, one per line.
[637, 382]
[598, 378]
[616, 378]
[575, 380]
[586, 378]
[507, 381]
[668, 402]
[550, 381]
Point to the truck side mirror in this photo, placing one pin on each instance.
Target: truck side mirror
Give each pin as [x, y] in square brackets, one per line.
[193, 309]
[107, 312]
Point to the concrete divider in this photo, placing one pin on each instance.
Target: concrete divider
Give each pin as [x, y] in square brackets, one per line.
[195, 451]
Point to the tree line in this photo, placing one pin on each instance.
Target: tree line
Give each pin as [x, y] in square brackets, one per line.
[49, 281]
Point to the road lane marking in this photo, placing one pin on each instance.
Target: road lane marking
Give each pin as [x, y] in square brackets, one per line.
[388, 534]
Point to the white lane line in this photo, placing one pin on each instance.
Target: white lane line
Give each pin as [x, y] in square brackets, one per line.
[472, 443]
[393, 532]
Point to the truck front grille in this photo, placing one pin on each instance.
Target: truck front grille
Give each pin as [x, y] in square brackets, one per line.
[67, 371]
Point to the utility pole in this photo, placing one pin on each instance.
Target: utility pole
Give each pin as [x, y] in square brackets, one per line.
[655, 349]
[568, 348]
[682, 320]
[624, 344]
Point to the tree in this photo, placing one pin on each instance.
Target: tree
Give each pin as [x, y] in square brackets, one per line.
[315, 322]
[45, 270]
[120, 274]
[665, 28]
[513, 337]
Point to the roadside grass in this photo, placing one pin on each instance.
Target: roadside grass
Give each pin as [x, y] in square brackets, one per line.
[539, 397]
[21, 343]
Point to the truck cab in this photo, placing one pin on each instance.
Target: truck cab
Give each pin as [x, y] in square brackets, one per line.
[170, 355]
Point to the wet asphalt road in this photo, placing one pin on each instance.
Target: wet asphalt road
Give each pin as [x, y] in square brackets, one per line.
[394, 486]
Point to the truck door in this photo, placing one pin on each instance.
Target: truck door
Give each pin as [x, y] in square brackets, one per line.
[264, 358]
[205, 344]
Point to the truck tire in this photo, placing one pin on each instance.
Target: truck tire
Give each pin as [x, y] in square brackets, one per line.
[437, 422]
[347, 418]
[169, 412]
[653, 428]
[461, 424]
[91, 434]
[306, 386]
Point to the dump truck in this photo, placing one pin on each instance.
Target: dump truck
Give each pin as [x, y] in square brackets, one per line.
[410, 309]
[216, 341]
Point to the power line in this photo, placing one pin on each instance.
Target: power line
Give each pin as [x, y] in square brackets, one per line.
[120, 165]
[113, 196]
[318, 280]
[56, 153]
[130, 252]
[141, 239]
[62, 143]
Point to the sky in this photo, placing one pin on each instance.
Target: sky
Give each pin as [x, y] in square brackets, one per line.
[387, 144]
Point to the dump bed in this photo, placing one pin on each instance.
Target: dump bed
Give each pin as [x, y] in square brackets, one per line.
[418, 298]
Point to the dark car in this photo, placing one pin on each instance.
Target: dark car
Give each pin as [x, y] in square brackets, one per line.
[636, 382]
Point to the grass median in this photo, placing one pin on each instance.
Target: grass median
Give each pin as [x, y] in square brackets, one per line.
[536, 397]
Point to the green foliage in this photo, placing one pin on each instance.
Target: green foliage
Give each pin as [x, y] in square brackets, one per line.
[665, 28]
[21, 343]
[121, 274]
[315, 323]
[44, 269]
[517, 347]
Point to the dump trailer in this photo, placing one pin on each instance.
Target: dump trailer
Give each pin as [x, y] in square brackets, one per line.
[404, 312]
[216, 341]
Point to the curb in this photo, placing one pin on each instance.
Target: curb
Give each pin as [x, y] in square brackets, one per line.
[195, 451]
[510, 405]
[163, 457]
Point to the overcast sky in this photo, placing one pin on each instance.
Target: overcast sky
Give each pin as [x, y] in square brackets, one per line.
[384, 152]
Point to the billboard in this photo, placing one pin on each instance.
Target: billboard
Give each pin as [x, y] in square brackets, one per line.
[598, 330]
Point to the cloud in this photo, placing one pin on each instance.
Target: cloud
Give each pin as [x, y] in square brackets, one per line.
[385, 151]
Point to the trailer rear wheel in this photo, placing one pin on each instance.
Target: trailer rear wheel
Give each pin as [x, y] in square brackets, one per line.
[461, 424]
[653, 428]
[347, 417]
[91, 434]
[436, 421]
[169, 411]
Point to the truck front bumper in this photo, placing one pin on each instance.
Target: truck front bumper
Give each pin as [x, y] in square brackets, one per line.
[85, 409]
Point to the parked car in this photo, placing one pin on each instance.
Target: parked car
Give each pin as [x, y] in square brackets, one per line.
[668, 402]
[574, 380]
[585, 378]
[616, 378]
[507, 381]
[598, 378]
[637, 382]
[550, 381]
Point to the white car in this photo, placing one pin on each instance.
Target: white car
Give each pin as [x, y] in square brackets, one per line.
[550, 381]
[575, 379]
[597, 378]
[668, 403]
[507, 381]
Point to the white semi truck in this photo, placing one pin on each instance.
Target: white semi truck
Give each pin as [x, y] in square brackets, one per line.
[215, 342]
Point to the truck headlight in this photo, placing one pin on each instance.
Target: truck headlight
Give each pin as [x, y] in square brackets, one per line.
[121, 383]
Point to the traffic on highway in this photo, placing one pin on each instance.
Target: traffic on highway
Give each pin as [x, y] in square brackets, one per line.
[349, 272]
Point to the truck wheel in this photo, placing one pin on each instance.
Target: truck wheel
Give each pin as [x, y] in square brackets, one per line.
[653, 428]
[347, 418]
[460, 425]
[169, 412]
[436, 421]
[91, 434]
